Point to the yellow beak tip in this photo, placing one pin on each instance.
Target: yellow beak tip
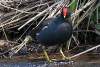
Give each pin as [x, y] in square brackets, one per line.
[64, 16]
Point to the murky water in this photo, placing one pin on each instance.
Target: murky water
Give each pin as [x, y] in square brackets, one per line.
[45, 64]
[32, 64]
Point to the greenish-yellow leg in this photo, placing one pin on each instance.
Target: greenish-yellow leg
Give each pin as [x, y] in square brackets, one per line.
[63, 56]
[46, 55]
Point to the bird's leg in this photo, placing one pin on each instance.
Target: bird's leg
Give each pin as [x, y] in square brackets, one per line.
[46, 55]
[63, 56]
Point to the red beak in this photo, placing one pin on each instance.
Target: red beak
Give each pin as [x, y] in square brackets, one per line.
[65, 12]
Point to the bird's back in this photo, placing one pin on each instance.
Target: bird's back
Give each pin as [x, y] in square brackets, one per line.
[55, 32]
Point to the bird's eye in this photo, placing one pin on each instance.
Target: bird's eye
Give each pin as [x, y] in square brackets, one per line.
[65, 12]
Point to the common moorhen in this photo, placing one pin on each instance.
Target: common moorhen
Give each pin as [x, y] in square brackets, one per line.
[55, 30]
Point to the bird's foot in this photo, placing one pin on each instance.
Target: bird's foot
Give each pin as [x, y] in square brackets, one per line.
[63, 55]
[46, 56]
[65, 58]
[49, 61]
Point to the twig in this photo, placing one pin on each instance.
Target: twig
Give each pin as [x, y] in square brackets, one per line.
[95, 47]
[32, 29]
[81, 9]
[76, 41]
[38, 15]
[6, 1]
[14, 9]
[84, 15]
[5, 33]
[15, 49]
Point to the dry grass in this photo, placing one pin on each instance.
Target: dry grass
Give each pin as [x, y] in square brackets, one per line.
[20, 14]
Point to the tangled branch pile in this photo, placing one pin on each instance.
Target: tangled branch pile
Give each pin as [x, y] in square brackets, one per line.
[20, 17]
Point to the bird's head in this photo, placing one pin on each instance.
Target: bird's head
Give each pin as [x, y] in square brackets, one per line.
[65, 12]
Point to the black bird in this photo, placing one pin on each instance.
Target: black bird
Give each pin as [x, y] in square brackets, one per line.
[55, 30]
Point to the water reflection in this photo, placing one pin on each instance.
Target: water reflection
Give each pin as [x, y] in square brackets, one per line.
[46, 64]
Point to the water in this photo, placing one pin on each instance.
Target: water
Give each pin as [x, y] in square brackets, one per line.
[32, 64]
[46, 64]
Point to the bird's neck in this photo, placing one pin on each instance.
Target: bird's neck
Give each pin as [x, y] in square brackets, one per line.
[61, 18]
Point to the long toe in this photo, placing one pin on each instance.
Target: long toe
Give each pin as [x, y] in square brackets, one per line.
[63, 55]
[46, 55]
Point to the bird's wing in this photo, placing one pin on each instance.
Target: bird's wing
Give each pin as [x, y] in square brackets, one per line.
[47, 21]
[63, 27]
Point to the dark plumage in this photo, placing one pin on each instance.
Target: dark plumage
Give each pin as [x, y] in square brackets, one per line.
[57, 31]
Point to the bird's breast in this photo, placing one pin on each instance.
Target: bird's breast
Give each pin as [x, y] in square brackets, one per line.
[54, 33]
